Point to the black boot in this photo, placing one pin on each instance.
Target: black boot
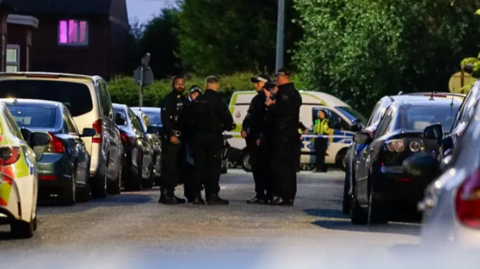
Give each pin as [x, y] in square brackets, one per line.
[167, 197]
[282, 202]
[256, 200]
[215, 200]
[197, 199]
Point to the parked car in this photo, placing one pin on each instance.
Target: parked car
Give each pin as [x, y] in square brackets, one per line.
[451, 207]
[153, 113]
[138, 152]
[355, 150]
[19, 177]
[64, 168]
[151, 131]
[381, 187]
[88, 100]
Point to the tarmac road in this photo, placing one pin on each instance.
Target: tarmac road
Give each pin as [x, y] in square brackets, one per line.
[133, 231]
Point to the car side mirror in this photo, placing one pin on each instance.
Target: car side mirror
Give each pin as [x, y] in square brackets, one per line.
[88, 132]
[422, 165]
[362, 138]
[39, 139]
[152, 129]
[434, 132]
[120, 119]
[356, 125]
[447, 144]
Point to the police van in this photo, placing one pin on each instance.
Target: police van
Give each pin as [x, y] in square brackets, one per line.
[339, 113]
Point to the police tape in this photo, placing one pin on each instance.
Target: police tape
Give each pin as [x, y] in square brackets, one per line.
[303, 135]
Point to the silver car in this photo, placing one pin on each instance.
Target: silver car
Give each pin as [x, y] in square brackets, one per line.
[451, 207]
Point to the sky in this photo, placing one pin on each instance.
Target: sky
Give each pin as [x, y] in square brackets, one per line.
[144, 10]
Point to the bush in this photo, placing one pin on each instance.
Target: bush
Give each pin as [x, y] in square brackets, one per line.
[124, 90]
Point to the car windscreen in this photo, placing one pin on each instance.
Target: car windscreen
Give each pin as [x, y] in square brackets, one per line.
[75, 96]
[417, 117]
[155, 118]
[351, 113]
[34, 115]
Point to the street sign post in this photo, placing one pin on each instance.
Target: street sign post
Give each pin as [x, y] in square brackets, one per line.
[143, 76]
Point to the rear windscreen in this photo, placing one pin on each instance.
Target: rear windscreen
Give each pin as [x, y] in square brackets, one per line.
[33, 115]
[75, 96]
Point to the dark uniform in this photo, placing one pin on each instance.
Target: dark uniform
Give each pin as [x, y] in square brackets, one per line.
[285, 116]
[254, 125]
[210, 117]
[172, 155]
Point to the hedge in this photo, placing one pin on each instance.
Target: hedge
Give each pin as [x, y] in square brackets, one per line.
[124, 90]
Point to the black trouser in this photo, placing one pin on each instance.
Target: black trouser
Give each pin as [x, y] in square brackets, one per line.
[171, 165]
[260, 160]
[207, 156]
[299, 148]
[187, 173]
[284, 161]
[321, 145]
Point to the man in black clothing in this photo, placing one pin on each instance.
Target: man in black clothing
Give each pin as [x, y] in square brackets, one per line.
[285, 113]
[210, 117]
[172, 157]
[252, 128]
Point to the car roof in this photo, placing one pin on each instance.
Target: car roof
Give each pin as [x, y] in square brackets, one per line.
[30, 101]
[146, 109]
[49, 75]
[123, 106]
[427, 102]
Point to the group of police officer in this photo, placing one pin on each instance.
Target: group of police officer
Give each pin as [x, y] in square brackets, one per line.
[193, 128]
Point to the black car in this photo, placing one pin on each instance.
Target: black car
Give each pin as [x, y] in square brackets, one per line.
[356, 149]
[138, 152]
[381, 187]
[155, 142]
[64, 167]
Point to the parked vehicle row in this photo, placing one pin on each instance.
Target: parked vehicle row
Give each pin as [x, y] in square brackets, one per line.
[73, 143]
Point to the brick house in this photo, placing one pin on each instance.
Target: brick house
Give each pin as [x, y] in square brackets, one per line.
[84, 37]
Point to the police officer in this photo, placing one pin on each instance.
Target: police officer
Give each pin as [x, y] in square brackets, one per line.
[210, 117]
[284, 110]
[172, 161]
[321, 127]
[187, 137]
[252, 128]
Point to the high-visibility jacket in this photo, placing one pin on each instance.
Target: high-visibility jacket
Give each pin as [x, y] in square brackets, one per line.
[321, 127]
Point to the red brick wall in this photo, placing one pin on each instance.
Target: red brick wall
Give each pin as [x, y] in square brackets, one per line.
[90, 60]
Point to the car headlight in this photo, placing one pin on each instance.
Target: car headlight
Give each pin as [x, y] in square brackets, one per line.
[395, 145]
[415, 146]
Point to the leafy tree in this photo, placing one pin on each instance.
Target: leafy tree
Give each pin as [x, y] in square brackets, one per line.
[227, 36]
[360, 50]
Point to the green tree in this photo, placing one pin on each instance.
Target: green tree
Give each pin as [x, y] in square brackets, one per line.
[360, 50]
[227, 36]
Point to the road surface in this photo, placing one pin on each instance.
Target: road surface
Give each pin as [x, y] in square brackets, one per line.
[133, 231]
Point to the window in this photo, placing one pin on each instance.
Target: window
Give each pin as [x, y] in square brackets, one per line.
[13, 58]
[384, 124]
[75, 96]
[136, 125]
[418, 117]
[68, 120]
[334, 120]
[73, 32]
[33, 115]
[105, 99]
[12, 124]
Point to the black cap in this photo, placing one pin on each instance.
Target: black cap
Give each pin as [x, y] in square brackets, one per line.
[195, 89]
[270, 85]
[283, 72]
[260, 78]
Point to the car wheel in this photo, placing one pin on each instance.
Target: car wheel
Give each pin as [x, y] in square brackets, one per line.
[67, 196]
[115, 187]
[99, 188]
[357, 214]
[340, 160]
[246, 165]
[22, 230]
[346, 197]
[148, 184]
[83, 194]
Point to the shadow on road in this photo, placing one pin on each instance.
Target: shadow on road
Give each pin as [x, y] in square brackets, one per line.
[4, 236]
[335, 220]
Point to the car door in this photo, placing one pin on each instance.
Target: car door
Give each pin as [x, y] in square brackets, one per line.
[366, 157]
[82, 157]
[112, 142]
[145, 144]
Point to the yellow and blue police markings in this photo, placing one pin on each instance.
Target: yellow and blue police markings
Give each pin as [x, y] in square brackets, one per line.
[335, 136]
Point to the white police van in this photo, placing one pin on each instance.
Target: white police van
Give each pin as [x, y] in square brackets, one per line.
[339, 113]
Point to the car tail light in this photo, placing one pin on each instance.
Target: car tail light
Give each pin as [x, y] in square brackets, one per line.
[395, 145]
[98, 128]
[9, 155]
[126, 139]
[467, 201]
[56, 145]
